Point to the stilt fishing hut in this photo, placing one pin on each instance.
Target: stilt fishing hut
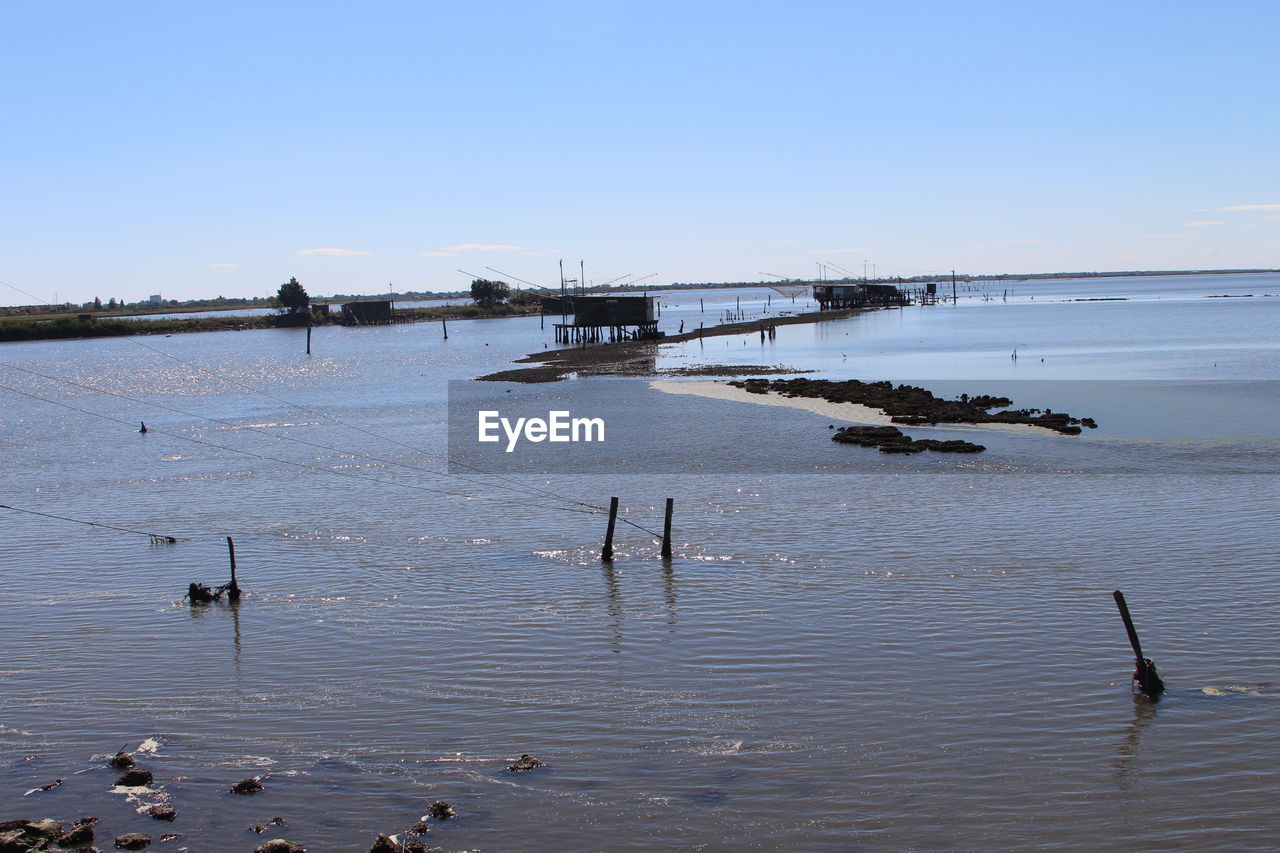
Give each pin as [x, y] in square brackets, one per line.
[612, 318]
[834, 296]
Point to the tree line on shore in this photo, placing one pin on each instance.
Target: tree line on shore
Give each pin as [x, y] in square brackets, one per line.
[293, 307]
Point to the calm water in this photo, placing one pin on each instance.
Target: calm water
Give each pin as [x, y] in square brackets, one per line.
[917, 656]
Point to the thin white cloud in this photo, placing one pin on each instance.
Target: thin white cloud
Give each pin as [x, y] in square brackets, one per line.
[1272, 218]
[1203, 222]
[481, 247]
[1018, 242]
[838, 251]
[438, 255]
[337, 253]
[222, 266]
[1161, 236]
[1250, 207]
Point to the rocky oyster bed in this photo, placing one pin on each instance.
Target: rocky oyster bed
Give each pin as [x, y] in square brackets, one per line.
[912, 406]
[893, 440]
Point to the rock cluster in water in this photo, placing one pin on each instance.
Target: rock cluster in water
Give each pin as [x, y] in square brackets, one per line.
[245, 787]
[27, 836]
[279, 845]
[912, 406]
[525, 762]
[387, 844]
[893, 440]
[135, 777]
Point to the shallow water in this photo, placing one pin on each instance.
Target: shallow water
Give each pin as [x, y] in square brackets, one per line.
[895, 654]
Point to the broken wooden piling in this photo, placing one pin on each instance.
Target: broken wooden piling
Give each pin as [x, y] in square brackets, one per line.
[233, 588]
[666, 531]
[606, 553]
[1144, 670]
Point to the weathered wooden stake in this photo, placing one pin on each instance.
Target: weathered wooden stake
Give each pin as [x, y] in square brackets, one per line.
[1144, 670]
[233, 589]
[701, 308]
[445, 326]
[666, 531]
[308, 340]
[606, 553]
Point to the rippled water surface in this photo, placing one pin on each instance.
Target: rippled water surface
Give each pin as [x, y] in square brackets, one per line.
[892, 657]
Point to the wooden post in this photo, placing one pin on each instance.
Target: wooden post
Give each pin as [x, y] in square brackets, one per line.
[445, 326]
[666, 531]
[606, 553]
[1144, 671]
[701, 308]
[233, 591]
[308, 340]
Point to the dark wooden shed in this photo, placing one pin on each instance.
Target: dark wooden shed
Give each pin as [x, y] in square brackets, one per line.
[595, 317]
[830, 296]
[372, 312]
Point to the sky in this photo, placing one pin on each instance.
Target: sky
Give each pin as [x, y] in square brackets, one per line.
[202, 149]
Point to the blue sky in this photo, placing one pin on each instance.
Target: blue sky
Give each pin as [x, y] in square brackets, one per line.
[196, 149]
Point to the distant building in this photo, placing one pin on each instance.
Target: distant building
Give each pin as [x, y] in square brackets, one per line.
[155, 299]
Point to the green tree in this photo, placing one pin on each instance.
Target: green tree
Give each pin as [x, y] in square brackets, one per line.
[292, 298]
[487, 293]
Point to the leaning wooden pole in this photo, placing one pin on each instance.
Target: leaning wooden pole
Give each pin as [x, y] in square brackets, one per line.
[1144, 670]
[666, 531]
[233, 589]
[606, 553]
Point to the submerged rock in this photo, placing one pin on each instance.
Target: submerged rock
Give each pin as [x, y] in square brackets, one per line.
[135, 777]
[525, 762]
[262, 827]
[162, 811]
[79, 835]
[122, 760]
[440, 810]
[387, 844]
[171, 836]
[247, 786]
[133, 841]
[279, 845]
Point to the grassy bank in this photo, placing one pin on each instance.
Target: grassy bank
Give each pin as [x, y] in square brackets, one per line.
[63, 327]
